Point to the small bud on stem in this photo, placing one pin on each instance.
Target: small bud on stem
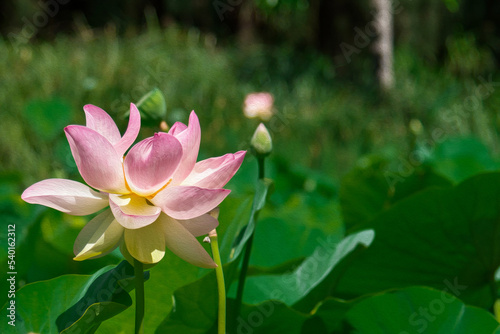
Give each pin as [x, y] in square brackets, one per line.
[261, 142]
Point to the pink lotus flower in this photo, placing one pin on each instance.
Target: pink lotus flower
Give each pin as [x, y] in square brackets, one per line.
[158, 195]
[259, 105]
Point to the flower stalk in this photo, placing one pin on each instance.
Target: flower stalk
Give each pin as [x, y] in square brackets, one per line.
[262, 165]
[243, 275]
[261, 156]
[214, 244]
[139, 296]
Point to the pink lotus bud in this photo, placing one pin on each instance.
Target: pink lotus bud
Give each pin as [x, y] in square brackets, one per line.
[259, 105]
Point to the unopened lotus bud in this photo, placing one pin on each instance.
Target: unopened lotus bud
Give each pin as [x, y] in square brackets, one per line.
[261, 142]
[153, 108]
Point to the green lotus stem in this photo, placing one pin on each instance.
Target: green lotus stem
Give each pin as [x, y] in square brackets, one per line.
[261, 163]
[248, 250]
[243, 276]
[139, 297]
[214, 244]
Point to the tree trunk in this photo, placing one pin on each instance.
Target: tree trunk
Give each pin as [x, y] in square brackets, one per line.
[383, 46]
[246, 31]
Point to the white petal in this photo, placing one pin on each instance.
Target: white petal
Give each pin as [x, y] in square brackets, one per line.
[99, 237]
[183, 244]
[66, 196]
[200, 225]
[146, 244]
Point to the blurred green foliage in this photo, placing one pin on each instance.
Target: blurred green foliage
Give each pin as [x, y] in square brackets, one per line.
[330, 122]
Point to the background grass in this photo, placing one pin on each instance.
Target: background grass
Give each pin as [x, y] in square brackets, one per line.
[322, 123]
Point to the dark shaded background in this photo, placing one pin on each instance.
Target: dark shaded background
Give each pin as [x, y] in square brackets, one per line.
[301, 24]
